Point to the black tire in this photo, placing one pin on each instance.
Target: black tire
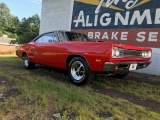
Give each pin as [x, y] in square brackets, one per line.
[79, 71]
[27, 63]
[121, 76]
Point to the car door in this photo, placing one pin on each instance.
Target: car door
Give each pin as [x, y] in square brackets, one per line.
[46, 49]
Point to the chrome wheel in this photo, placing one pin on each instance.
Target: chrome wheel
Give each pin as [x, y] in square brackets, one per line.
[26, 62]
[78, 71]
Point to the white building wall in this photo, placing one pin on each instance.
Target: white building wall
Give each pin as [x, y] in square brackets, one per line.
[154, 67]
[56, 15]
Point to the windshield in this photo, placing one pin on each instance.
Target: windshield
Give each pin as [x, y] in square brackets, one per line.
[71, 36]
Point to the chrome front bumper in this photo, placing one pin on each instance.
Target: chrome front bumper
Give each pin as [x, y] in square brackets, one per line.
[122, 66]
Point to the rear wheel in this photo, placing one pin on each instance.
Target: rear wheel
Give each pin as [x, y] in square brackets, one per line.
[79, 71]
[27, 63]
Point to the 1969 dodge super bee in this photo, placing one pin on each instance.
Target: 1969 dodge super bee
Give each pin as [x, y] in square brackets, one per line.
[82, 57]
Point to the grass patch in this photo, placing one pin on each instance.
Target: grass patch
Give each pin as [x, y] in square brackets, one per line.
[43, 97]
[7, 55]
[139, 89]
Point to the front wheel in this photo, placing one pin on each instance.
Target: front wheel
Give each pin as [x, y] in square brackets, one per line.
[27, 63]
[79, 71]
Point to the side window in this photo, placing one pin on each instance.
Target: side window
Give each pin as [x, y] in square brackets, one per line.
[55, 37]
[39, 40]
[63, 37]
[48, 38]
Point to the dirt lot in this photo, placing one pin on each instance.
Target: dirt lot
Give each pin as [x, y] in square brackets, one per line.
[7, 49]
[45, 93]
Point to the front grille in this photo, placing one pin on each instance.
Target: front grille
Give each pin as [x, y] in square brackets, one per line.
[130, 53]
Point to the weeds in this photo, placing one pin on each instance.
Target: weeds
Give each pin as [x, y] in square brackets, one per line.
[43, 96]
[139, 89]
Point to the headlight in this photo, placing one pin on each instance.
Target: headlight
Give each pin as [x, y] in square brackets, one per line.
[115, 52]
[146, 54]
[143, 53]
[149, 54]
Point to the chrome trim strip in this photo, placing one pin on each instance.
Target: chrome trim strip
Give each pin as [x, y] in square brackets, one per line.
[110, 66]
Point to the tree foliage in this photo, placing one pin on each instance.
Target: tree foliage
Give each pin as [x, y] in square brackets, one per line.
[24, 30]
[28, 29]
[5, 17]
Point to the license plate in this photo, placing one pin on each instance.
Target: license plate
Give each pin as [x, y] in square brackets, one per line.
[133, 67]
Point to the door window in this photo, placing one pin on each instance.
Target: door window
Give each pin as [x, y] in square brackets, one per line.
[39, 40]
[48, 38]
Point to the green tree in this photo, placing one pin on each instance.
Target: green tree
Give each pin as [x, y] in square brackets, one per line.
[8, 23]
[4, 16]
[0, 33]
[13, 24]
[24, 31]
[29, 29]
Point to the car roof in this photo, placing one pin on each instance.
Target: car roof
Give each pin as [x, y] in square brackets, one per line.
[59, 31]
[54, 31]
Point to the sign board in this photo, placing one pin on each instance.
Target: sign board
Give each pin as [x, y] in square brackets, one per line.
[135, 22]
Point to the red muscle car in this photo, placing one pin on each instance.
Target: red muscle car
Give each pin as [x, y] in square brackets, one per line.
[82, 57]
